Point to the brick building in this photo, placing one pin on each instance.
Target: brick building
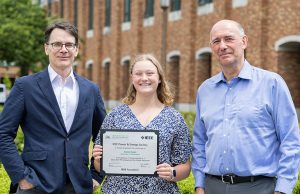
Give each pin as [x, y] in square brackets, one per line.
[113, 31]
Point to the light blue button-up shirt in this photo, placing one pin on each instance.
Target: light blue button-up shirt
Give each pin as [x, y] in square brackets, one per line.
[246, 127]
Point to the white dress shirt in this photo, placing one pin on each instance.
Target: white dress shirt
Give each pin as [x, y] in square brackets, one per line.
[67, 94]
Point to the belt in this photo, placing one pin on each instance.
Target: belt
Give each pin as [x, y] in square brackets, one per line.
[234, 179]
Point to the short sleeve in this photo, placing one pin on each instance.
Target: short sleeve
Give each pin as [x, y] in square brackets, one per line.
[181, 145]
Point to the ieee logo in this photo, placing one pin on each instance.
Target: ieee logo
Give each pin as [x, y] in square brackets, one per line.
[147, 137]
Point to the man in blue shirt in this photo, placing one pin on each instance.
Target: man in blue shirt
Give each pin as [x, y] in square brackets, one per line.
[246, 134]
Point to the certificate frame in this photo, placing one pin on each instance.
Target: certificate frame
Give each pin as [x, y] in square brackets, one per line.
[129, 152]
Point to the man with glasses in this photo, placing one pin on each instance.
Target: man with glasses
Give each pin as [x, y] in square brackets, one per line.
[58, 112]
[246, 134]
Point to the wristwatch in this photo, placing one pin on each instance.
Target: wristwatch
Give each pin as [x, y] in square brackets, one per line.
[173, 173]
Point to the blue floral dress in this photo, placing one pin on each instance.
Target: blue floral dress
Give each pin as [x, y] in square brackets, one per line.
[174, 148]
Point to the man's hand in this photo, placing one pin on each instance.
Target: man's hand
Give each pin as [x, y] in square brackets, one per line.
[199, 191]
[95, 185]
[25, 185]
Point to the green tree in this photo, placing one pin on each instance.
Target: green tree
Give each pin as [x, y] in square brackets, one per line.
[21, 33]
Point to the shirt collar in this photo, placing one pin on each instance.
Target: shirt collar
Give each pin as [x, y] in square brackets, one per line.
[70, 80]
[245, 73]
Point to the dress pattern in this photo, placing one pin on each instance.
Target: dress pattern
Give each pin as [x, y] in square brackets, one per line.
[174, 148]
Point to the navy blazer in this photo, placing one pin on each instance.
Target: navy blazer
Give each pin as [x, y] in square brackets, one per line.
[49, 151]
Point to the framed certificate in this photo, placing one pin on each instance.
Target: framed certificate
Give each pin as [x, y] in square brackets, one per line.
[129, 152]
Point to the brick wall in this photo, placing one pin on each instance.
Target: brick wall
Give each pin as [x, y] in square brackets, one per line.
[265, 22]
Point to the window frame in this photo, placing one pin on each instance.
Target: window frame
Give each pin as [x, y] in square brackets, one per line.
[62, 8]
[175, 5]
[107, 21]
[76, 12]
[127, 11]
[149, 10]
[91, 15]
[204, 2]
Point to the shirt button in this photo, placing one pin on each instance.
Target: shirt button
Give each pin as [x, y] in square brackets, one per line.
[224, 152]
[227, 169]
[224, 135]
[226, 119]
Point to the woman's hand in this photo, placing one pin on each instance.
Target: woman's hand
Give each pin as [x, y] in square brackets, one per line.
[165, 171]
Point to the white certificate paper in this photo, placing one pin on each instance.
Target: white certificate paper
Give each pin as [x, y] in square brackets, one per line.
[129, 152]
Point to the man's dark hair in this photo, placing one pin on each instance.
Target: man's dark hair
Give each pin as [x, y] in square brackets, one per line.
[66, 26]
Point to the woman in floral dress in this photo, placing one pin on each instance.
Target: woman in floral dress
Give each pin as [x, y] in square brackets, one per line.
[147, 106]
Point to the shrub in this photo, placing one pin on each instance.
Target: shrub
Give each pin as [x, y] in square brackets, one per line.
[7, 82]
[297, 186]
[186, 186]
[189, 118]
[4, 180]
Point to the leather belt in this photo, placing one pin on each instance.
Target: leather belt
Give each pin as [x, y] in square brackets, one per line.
[234, 179]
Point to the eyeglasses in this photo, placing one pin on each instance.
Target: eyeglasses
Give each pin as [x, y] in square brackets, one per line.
[58, 45]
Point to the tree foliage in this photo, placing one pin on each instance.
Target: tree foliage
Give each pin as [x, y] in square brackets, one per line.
[21, 33]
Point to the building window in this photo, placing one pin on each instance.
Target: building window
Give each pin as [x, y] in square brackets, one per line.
[203, 2]
[75, 12]
[205, 7]
[105, 80]
[125, 76]
[91, 14]
[175, 5]
[89, 69]
[127, 5]
[61, 8]
[172, 70]
[175, 13]
[149, 11]
[49, 4]
[107, 12]
[239, 3]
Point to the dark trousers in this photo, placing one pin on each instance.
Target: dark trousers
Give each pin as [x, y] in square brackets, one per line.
[261, 186]
[68, 189]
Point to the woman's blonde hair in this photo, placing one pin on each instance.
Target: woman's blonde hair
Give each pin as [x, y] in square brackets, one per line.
[164, 93]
